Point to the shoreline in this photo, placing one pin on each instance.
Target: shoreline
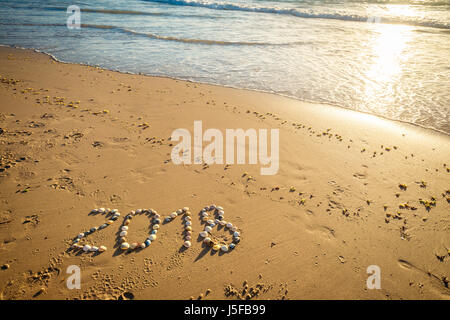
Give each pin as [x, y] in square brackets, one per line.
[435, 130]
[353, 190]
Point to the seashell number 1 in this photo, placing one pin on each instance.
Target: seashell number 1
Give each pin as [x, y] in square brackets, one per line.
[208, 238]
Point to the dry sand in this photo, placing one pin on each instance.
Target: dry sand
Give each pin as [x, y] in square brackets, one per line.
[112, 150]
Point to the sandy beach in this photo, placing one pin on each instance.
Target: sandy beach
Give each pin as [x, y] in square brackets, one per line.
[352, 190]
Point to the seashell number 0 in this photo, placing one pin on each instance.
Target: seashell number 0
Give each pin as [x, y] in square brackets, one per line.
[210, 221]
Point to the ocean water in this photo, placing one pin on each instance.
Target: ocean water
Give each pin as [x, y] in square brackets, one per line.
[389, 58]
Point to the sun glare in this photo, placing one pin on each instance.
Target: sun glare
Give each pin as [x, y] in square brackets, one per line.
[388, 53]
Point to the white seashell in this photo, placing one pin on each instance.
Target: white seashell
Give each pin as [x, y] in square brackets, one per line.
[102, 210]
[124, 246]
[152, 237]
[224, 248]
[124, 228]
[233, 229]
[219, 208]
[207, 240]
[187, 244]
[108, 209]
[186, 209]
[157, 216]
[188, 223]
[208, 229]
[236, 234]
[81, 235]
[216, 221]
[179, 211]
[123, 233]
[138, 211]
[188, 218]
[143, 245]
[222, 223]
[133, 246]
[173, 215]
[205, 214]
[229, 225]
[102, 249]
[203, 234]
[221, 213]
[210, 221]
[94, 249]
[114, 211]
[86, 248]
[156, 227]
[75, 246]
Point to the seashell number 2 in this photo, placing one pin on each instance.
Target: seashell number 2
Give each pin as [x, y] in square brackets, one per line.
[208, 237]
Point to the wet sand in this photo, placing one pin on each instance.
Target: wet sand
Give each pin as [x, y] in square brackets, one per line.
[352, 190]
